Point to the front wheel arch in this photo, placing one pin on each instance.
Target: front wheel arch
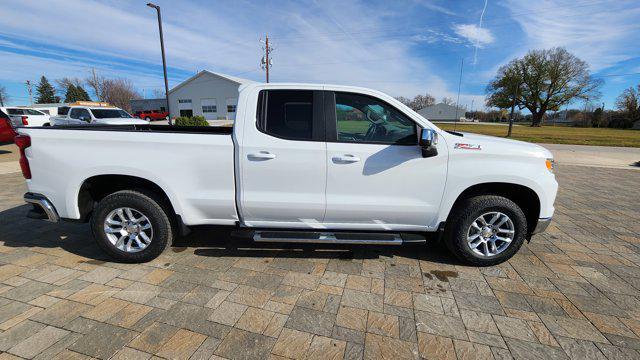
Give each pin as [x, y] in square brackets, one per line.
[526, 198]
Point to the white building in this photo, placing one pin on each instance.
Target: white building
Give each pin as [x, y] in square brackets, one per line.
[442, 112]
[209, 94]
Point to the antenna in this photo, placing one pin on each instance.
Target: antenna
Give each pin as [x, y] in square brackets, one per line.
[455, 124]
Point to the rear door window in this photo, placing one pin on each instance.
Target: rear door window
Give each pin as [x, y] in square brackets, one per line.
[289, 114]
[15, 111]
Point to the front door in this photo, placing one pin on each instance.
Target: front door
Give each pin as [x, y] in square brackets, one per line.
[377, 178]
[282, 161]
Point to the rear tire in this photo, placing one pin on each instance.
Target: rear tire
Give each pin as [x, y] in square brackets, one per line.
[160, 231]
[460, 228]
[147, 118]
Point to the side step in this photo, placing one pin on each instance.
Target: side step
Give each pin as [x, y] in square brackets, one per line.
[324, 237]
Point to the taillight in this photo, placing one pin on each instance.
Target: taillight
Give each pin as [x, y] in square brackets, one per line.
[23, 142]
[25, 120]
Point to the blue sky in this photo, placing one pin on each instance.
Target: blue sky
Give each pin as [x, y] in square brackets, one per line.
[401, 47]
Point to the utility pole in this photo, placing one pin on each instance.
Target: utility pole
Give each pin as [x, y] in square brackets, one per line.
[513, 108]
[1, 98]
[164, 61]
[266, 61]
[28, 83]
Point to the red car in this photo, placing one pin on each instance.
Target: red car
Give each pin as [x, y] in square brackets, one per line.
[152, 115]
[6, 128]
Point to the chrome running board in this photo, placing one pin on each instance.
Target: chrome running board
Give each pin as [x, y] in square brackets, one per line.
[324, 237]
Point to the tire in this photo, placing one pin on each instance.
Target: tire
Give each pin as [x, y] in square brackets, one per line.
[468, 212]
[140, 202]
[46, 124]
[147, 118]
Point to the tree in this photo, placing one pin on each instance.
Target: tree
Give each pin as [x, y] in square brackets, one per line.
[119, 92]
[418, 102]
[3, 95]
[73, 90]
[422, 101]
[45, 93]
[629, 104]
[542, 80]
[597, 120]
[448, 101]
[404, 100]
[75, 93]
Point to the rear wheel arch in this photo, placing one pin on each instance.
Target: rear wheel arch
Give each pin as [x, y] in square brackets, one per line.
[526, 198]
[97, 187]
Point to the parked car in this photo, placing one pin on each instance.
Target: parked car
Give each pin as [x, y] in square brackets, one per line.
[7, 133]
[22, 116]
[303, 163]
[152, 115]
[105, 115]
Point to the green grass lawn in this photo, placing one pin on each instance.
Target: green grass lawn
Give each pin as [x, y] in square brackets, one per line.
[555, 134]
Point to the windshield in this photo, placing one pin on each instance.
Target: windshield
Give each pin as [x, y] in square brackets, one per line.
[109, 113]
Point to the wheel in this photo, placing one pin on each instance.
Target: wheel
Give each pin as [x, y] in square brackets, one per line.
[132, 226]
[46, 124]
[147, 118]
[486, 230]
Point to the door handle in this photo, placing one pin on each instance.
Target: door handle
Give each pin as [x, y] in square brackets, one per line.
[262, 155]
[347, 158]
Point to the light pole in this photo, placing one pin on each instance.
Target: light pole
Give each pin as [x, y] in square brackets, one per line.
[164, 61]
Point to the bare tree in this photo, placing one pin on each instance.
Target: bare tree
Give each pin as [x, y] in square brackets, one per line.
[542, 80]
[3, 95]
[448, 101]
[418, 102]
[119, 92]
[97, 84]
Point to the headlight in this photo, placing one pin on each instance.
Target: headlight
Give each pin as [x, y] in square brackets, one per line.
[550, 164]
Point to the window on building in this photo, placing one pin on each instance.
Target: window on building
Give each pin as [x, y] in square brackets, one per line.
[209, 108]
[186, 112]
[231, 105]
[286, 113]
[184, 101]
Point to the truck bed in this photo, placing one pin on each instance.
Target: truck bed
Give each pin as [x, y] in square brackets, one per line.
[193, 165]
[145, 128]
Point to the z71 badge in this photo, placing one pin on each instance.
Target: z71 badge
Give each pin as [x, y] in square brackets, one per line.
[467, 146]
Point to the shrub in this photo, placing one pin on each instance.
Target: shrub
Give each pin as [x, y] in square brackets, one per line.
[191, 121]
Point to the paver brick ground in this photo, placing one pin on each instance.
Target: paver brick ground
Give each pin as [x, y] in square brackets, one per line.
[573, 292]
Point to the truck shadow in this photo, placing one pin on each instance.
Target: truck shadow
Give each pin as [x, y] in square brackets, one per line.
[18, 231]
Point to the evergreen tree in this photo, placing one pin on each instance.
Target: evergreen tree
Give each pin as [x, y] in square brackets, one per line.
[71, 95]
[82, 94]
[45, 92]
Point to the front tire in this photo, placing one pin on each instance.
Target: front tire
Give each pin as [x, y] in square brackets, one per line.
[132, 226]
[486, 230]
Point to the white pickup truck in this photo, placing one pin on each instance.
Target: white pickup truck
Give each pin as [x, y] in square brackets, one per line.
[302, 163]
[95, 115]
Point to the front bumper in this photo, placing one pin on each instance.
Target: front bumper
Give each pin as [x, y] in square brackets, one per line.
[542, 225]
[43, 209]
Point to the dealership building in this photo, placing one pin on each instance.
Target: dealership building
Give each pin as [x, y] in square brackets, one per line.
[209, 94]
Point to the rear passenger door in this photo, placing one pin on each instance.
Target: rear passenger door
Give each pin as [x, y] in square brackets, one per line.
[282, 161]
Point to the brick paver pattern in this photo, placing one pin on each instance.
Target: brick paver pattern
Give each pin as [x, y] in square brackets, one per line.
[573, 292]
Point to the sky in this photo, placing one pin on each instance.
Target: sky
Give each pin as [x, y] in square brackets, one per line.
[403, 48]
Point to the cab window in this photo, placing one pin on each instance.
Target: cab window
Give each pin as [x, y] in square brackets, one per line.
[365, 119]
[288, 114]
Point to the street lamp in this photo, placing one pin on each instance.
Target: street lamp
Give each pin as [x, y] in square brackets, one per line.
[164, 62]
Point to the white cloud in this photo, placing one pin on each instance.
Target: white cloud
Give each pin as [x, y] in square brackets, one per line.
[308, 47]
[603, 34]
[474, 34]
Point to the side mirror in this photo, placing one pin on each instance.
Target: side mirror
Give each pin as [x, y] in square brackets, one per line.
[428, 140]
